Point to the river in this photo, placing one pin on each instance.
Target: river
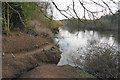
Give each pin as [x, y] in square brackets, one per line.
[74, 45]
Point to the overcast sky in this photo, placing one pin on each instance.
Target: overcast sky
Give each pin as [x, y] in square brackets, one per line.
[62, 4]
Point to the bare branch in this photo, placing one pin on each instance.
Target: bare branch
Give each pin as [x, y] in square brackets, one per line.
[75, 11]
[113, 2]
[107, 6]
[97, 4]
[91, 14]
[59, 10]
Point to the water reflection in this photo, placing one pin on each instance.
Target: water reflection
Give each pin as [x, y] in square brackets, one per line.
[76, 44]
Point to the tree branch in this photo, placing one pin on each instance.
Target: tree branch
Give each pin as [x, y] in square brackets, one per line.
[75, 11]
[59, 10]
[107, 6]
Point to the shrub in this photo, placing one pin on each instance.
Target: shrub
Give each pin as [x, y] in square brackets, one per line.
[102, 61]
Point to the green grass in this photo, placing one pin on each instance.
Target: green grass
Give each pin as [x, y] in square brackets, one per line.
[29, 11]
[32, 12]
[83, 74]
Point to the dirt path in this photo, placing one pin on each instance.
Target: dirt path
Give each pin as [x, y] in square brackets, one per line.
[49, 71]
[16, 64]
[23, 51]
[54, 71]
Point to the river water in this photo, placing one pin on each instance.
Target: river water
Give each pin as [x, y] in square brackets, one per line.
[74, 45]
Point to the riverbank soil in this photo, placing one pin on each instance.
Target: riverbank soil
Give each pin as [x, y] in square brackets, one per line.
[29, 55]
[53, 71]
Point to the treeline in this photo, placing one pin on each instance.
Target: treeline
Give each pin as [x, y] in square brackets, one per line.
[16, 15]
[108, 22]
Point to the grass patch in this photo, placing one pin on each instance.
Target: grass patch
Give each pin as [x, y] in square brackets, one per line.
[83, 74]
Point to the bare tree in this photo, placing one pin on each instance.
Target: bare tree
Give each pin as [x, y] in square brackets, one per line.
[104, 5]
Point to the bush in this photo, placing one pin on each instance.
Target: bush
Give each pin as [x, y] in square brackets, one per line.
[102, 61]
[99, 59]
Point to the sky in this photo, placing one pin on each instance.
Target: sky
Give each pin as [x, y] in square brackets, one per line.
[62, 4]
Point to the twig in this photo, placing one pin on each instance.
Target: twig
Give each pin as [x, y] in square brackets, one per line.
[75, 11]
[107, 6]
[59, 10]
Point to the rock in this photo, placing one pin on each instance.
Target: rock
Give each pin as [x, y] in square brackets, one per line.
[13, 55]
[36, 46]
[52, 48]
[46, 43]
[3, 54]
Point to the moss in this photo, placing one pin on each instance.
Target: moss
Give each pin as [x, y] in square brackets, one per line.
[83, 74]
